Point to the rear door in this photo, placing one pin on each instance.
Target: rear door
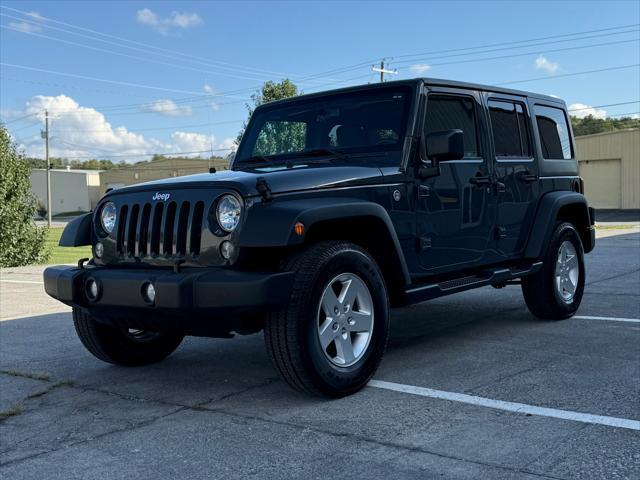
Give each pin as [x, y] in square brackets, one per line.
[516, 171]
[455, 218]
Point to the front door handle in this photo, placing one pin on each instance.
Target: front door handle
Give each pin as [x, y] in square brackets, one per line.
[527, 177]
[480, 180]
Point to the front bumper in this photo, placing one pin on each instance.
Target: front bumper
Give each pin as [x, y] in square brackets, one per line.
[194, 301]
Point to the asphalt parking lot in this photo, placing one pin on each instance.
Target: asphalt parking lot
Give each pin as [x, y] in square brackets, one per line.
[472, 386]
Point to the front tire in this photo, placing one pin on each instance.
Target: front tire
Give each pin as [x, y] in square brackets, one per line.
[123, 346]
[556, 291]
[330, 337]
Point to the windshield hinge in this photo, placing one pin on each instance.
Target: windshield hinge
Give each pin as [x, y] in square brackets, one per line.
[263, 189]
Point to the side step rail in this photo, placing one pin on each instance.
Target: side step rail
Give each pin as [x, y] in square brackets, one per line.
[495, 276]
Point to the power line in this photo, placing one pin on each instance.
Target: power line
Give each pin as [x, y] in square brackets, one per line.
[77, 87]
[134, 57]
[26, 126]
[180, 55]
[150, 154]
[602, 106]
[608, 69]
[79, 130]
[201, 97]
[517, 55]
[524, 54]
[522, 46]
[96, 79]
[435, 52]
[20, 118]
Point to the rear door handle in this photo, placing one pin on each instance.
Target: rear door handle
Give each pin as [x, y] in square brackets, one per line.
[479, 181]
[527, 177]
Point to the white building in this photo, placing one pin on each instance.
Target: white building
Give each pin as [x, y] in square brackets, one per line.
[72, 191]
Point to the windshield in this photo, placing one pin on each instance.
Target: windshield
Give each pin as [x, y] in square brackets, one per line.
[342, 124]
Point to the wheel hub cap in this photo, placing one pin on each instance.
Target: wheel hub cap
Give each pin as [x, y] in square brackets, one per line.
[345, 319]
[567, 272]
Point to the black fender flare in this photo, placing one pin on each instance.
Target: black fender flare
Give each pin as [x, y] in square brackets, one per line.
[546, 216]
[77, 233]
[272, 224]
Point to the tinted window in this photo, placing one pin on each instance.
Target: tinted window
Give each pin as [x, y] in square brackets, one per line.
[281, 137]
[554, 133]
[369, 120]
[510, 131]
[449, 112]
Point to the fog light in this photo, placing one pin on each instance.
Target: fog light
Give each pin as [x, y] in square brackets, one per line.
[92, 289]
[99, 250]
[227, 249]
[149, 293]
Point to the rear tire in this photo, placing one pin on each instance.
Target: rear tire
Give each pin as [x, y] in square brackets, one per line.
[556, 291]
[121, 346]
[330, 337]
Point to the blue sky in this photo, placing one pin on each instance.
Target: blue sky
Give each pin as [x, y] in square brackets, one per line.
[190, 66]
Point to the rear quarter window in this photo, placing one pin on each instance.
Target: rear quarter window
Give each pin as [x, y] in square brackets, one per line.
[553, 127]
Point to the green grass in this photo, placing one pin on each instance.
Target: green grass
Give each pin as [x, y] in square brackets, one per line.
[615, 227]
[63, 254]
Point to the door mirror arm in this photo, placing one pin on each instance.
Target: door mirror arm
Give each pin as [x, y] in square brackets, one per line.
[426, 168]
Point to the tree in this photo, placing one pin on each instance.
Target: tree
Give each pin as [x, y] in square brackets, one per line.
[21, 242]
[270, 92]
[590, 124]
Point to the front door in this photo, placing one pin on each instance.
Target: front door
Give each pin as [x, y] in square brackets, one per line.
[515, 169]
[455, 209]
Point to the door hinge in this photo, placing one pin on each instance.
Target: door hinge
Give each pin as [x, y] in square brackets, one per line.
[499, 187]
[500, 232]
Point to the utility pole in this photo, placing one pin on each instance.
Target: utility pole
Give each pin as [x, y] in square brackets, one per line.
[46, 157]
[382, 70]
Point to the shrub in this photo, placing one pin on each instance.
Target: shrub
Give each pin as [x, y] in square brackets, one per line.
[21, 241]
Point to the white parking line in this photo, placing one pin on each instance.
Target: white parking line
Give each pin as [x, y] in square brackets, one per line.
[4, 280]
[608, 319]
[508, 406]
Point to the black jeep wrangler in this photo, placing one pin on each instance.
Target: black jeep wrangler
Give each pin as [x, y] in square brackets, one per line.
[338, 206]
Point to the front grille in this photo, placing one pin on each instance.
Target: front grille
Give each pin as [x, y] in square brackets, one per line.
[170, 230]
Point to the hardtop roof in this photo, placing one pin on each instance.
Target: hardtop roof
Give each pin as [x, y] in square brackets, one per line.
[439, 82]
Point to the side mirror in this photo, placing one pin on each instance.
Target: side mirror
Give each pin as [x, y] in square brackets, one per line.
[445, 146]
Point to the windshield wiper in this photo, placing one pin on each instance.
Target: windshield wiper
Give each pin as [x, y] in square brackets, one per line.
[316, 152]
[256, 159]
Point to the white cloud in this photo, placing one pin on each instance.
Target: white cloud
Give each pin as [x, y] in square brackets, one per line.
[209, 90]
[73, 124]
[543, 63]
[582, 110]
[25, 27]
[419, 68]
[228, 144]
[168, 108]
[191, 142]
[176, 20]
[82, 132]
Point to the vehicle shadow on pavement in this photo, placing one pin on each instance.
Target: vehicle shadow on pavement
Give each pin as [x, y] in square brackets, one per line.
[204, 370]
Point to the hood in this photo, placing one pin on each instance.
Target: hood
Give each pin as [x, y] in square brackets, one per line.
[279, 179]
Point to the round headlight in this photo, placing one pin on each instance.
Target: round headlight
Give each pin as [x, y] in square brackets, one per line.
[228, 212]
[108, 217]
